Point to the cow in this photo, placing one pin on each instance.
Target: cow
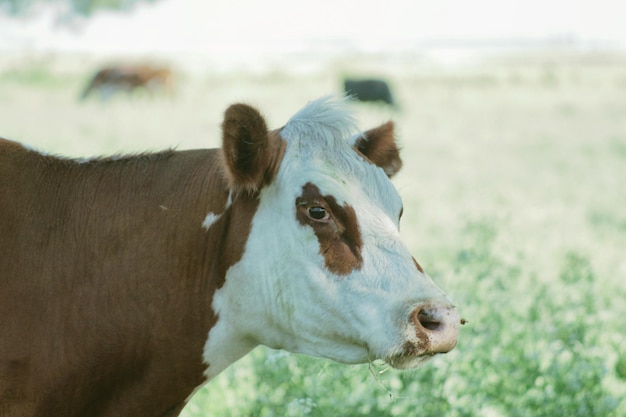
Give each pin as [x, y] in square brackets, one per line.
[128, 282]
[129, 78]
[373, 90]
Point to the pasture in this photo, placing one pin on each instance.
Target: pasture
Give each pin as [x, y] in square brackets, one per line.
[514, 202]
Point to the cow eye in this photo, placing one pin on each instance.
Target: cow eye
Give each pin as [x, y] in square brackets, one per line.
[318, 213]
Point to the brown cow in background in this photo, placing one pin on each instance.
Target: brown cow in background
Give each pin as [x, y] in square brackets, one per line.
[128, 78]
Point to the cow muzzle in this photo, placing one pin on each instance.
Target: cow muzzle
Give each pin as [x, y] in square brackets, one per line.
[435, 329]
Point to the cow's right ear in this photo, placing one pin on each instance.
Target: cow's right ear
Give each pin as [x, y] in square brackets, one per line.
[379, 146]
[251, 153]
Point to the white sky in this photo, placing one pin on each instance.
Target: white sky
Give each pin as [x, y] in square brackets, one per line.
[255, 26]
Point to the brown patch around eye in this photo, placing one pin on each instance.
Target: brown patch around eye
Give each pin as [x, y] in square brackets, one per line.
[339, 237]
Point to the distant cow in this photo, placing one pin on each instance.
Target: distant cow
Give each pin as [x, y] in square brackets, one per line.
[369, 90]
[128, 78]
[128, 282]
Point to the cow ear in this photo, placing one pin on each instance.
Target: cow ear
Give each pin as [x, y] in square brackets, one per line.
[379, 146]
[250, 152]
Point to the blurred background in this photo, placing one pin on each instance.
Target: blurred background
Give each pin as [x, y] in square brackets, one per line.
[512, 119]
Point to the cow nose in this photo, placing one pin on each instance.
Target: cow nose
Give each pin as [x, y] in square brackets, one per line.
[438, 326]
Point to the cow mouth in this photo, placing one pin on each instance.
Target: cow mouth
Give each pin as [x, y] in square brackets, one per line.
[414, 354]
[408, 360]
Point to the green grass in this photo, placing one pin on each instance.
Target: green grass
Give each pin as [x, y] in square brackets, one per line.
[514, 203]
[33, 74]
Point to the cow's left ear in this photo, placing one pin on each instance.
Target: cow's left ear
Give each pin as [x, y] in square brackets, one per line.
[251, 153]
[379, 146]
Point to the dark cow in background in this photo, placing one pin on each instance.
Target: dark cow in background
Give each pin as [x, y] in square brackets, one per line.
[369, 90]
[129, 78]
[128, 282]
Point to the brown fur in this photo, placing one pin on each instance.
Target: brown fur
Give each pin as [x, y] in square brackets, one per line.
[250, 151]
[106, 277]
[339, 237]
[418, 266]
[379, 146]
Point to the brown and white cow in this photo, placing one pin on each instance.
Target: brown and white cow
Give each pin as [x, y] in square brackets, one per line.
[128, 282]
[129, 78]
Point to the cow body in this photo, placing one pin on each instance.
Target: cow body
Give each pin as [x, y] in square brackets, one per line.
[126, 283]
[372, 90]
[129, 78]
[93, 305]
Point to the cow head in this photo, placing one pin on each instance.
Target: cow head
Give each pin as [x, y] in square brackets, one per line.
[324, 271]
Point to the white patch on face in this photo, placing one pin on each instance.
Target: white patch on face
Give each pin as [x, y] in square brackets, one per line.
[223, 348]
[209, 220]
[281, 294]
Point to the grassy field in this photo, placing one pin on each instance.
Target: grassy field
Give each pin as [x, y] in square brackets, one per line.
[515, 203]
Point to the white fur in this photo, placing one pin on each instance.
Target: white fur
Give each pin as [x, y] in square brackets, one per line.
[280, 293]
[209, 220]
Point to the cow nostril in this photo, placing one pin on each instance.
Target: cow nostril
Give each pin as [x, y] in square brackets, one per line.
[428, 320]
[437, 327]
